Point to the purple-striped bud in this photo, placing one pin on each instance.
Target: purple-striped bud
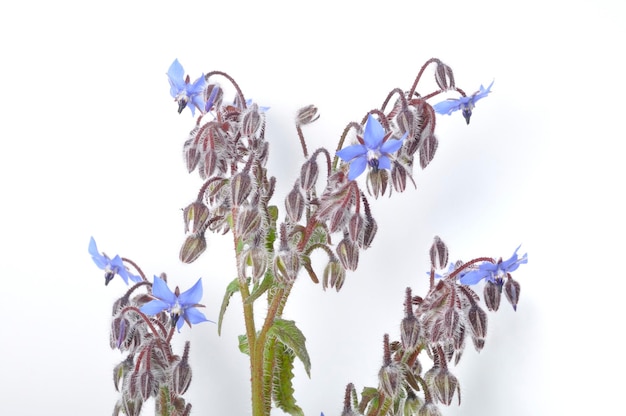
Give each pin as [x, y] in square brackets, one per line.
[294, 204]
[286, 266]
[492, 293]
[429, 409]
[478, 321]
[308, 174]
[248, 223]
[307, 115]
[445, 385]
[181, 376]
[444, 77]
[195, 216]
[240, 188]
[192, 248]
[348, 254]
[398, 176]
[252, 121]
[334, 274]
[410, 331]
[390, 379]
[428, 150]
[511, 290]
[438, 254]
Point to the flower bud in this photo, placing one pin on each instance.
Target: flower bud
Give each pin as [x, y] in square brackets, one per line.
[252, 121]
[191, 155]
[147, 384]
[240, 188]
[335, 274]
[377, 180]
[428, 150]
[492, 293]
[511, 290]
[294, 204]
[390, 379]
[119, 333]
[196, 214]
[208, 163]
[121, 371]
[444, 77]
[356, 228]
[248, 223]
[478, 321]
[213, 96]
[131, 407]
[181, 377]
[438, 254]
[348, 254]
[369, 233]
[286, 266]
[307, 115]
[308, 174]
[256, 257]
[194, 245]
[445, 385]
[410, 331]
[398, 176]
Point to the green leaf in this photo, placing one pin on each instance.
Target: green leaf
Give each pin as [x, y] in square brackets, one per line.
[288, 333]
[266, 283]
[282, 389]
[244, 347]
[272, 210]
[232, 288]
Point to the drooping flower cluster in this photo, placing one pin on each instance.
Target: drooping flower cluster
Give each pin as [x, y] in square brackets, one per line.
[438, 324]
[142, 326]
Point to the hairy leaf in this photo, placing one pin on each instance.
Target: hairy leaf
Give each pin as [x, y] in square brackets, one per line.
[288, 334]
[244, 347]
[282, 389]
[230, 290]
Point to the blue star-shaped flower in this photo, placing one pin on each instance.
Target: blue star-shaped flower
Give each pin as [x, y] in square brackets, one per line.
[494, 272]
[466, 104]
[374, 151]
[177, 304]
[186, 94]
[110, 266]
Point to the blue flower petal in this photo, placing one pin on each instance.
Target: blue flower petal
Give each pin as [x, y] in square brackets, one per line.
[154, 306]
[161, 291]
[191, 296]
[176, 75]
[392, 145]
[101, 261]
[473, 277]
[384, 162]
[350, 152]
[374, 133]
[447, 107]
[357, 167]
[194, 316]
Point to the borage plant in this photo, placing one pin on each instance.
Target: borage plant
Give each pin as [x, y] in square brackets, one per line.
[327, 210]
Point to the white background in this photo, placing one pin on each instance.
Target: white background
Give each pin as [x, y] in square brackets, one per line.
[91, 145]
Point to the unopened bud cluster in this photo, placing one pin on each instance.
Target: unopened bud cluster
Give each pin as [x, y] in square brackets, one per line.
[439, 325]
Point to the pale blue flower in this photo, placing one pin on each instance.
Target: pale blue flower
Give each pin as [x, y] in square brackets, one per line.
[466, 104]
[375, 150]
[110, 266]
[185, 93]
[492, 272]
[175, 303]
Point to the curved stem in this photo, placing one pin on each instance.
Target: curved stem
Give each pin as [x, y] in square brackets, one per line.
[232, 81]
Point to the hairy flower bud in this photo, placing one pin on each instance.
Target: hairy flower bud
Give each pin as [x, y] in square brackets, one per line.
[248, 223]
[240, 188]
[191, 154]
[181, 376]
[308, 174]
[192, 248]
[478, 321]
[445, 385]
[348, 254]
[294, 204]
[286, 266]
[492, 293]
[390, 378]
[438, 254]
[335, 274]
[410, 331]
[356, 228]
[307, 115]
[147, 384]
[377, 180]
[428, 150]
[213, 96]
[511, 290]
[444, 77]
[131, 407]
[252, 121]
[398, 176]
[256, 257]
[195, 214]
